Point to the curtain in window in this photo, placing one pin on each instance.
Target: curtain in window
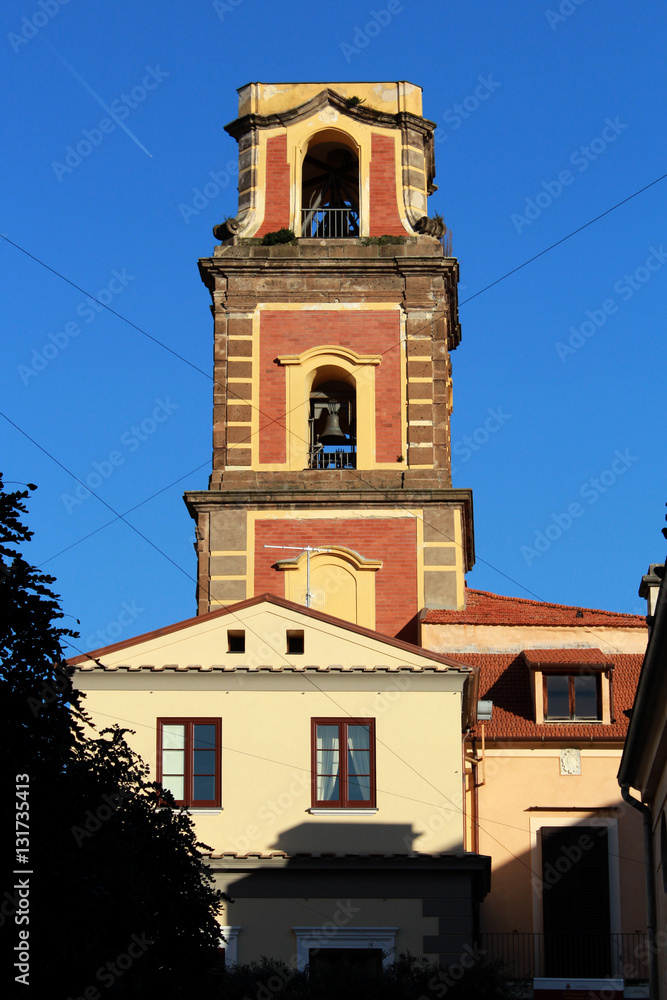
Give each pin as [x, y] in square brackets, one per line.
[358, 764]
[173, 760]
[328, 764]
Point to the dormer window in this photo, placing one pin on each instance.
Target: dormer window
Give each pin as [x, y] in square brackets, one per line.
[571, 685]
[572, 697]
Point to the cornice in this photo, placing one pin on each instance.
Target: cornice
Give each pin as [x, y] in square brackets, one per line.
[328, 97]
[264, 495]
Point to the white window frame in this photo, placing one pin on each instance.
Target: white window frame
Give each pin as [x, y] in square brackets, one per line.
[230, 943]
[580, 819]
[345, 937]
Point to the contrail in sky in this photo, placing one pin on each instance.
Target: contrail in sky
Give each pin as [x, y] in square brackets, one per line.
[77, 76]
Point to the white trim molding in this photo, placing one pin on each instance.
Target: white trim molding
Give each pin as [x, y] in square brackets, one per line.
[326, 936]
[574, 820]
[323, 811]
[230, 943]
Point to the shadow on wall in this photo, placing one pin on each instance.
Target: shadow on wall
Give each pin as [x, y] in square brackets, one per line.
[573, 906]
[319, 836]
[343, 875]
[511, 691]
[410, 631]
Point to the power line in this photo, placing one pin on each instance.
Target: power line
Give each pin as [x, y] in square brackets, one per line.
[569, 236]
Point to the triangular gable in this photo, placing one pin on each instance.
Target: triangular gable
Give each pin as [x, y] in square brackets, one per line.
[202, 643]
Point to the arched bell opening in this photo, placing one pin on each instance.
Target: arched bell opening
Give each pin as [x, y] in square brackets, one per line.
[332, 420]
[330, 187]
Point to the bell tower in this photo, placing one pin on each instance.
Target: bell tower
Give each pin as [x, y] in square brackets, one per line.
[335, 312]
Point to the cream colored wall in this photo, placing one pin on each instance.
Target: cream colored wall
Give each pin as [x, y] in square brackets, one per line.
[272, 98]
[266, 746]
[204, 643]
[266, 924]
[520, 781]
[514, 638]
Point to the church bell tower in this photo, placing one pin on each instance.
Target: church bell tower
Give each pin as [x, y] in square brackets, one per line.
[335, 312]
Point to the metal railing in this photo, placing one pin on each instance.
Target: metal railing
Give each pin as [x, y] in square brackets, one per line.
[333, 458]
[329, 223]
[525, 956]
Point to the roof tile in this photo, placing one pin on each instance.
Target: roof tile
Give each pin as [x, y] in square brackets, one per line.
[505, 680]
[485, 608]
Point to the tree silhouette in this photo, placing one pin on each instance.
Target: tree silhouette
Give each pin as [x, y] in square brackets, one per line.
[119, 902]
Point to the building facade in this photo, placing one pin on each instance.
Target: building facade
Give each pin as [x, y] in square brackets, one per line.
[318, 747]
[644, 767]
[566, 910]
[319, 716]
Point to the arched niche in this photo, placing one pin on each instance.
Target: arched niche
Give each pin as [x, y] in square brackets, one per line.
[342, 583]
[330, 202]
[355, 375]
[332, 420]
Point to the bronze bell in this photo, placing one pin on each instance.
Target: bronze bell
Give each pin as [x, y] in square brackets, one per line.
[332, 433]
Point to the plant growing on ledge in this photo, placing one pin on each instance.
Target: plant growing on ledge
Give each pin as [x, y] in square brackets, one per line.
[354, 102]
[380, 241]
[280, 236]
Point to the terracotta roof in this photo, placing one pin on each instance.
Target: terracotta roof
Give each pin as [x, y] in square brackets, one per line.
[485, 608]
[258, 855]
[331, 668]
[505, 680]
[551, 657]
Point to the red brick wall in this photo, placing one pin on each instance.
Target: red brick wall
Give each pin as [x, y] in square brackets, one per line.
[276, 211]
[292, 332]
[384, 217]
[393, 540]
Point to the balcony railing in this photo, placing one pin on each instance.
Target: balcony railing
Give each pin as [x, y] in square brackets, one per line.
[329, 223]
[525, 956]
[333, 458]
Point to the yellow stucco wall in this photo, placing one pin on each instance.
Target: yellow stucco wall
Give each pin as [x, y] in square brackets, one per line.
[511, 638]
[524, 790]
[266, 924]
[266, 700]
[266, 747]
[203, 642]
[272, 98]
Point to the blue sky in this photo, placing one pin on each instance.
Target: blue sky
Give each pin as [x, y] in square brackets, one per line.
[549, 114]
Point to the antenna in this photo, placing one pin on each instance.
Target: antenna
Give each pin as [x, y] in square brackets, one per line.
[301, 548]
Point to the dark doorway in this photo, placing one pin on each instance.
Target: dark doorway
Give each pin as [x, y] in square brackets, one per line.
[330, 185]
[345, 962]
[332, 424]
[575, 902]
